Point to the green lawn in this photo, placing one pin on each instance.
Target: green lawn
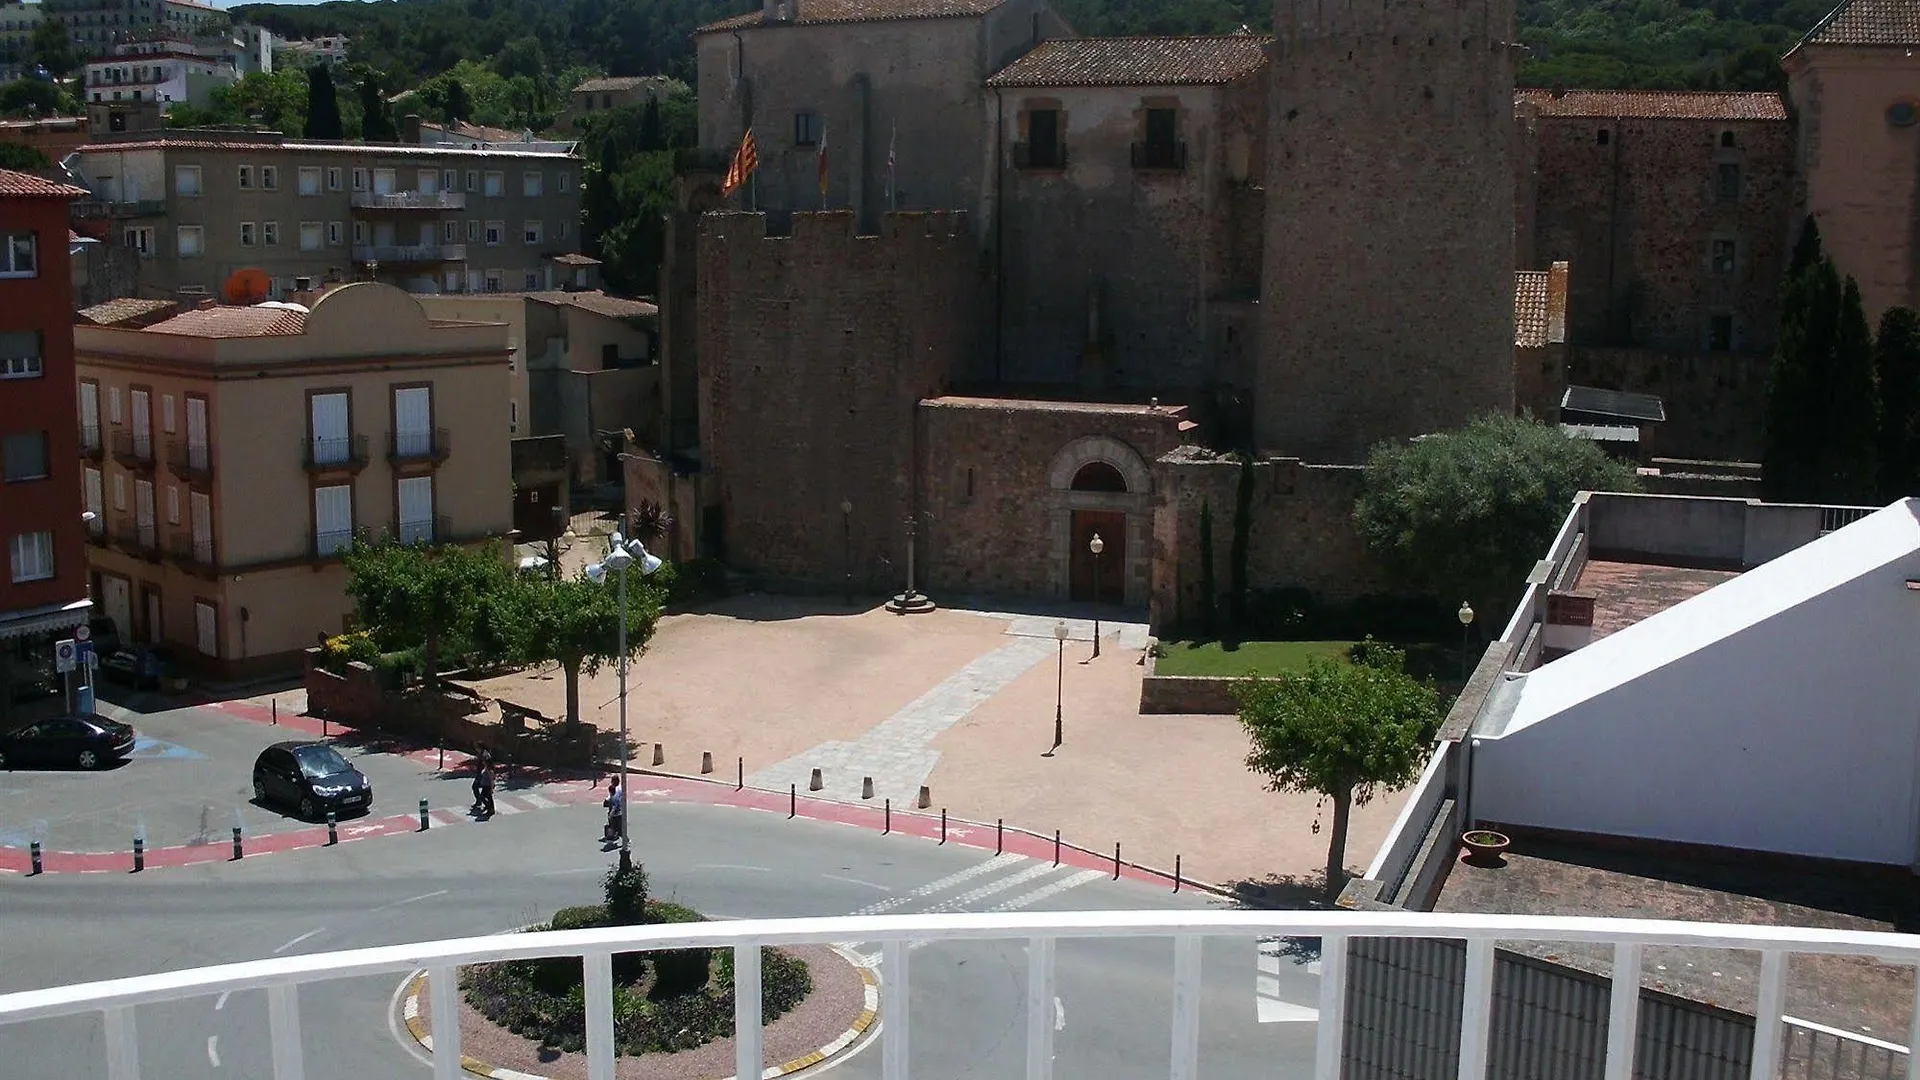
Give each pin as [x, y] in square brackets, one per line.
[1245, 657]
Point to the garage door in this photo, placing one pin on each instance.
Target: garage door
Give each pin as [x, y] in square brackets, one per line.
[119, 605]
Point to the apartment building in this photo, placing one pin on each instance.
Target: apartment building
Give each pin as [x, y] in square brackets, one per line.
[94, 23]
[252, 216]
[165, 77]
[43, 594]
[17, 25]
[241, 449]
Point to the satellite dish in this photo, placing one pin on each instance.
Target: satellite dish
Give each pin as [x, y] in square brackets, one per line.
[248, 286]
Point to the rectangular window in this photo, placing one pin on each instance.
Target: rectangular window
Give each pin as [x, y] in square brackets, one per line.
[189, 241]
[206, 628]
[359, 179]
[564, 180]
[20, 256]
[473, 179]
[120, 491]
[312, 237]
[473, 231]
[531, 232]
[806, 129]
[309, 180]
[412, 421]
[496, 185]
[96, 505]
[332, 519]
[385, 182]
[31, 556]
[333, 234]
[1723, 256]
[359, 232]
[493, 280]
[496, 232]
[513, 417]
[1720, 334]
[247, 234]
[1044, 150]
[23, 455]
[532, 184]
[415, 494]
[333, 178]
[246, 177]
[450, 180]
[173, 504]
[270, 178]
[270, 233]
[532, 280]
[451, 282]
[19, 354]
[166, 413]
[560, 230]
[186, 179]
[332, 436]
[1728, 183]
[449, 232]
[138, 238]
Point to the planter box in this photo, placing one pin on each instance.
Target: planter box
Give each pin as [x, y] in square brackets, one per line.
[1201, 694]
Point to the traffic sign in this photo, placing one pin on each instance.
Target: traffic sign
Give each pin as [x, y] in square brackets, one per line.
[63, 655]
[84, 652]
[82, 632]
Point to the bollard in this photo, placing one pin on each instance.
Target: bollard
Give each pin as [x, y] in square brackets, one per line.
[659, 755]
[139, 853]
[323, 725]
[423, 815]
[1116, 860]
[943, 825]
[999, 835]
[926, 797]
[237, 853]
[1176, 873]
[888, 819]
[443, 757]
[333, 835]
[866, 787]
[793, 800]
[706, 762]
[33, 851]
[1056, 847]
[276, 711]
[740, 775]
[814, 782]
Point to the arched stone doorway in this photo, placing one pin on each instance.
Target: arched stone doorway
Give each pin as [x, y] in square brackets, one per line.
[1099, 484]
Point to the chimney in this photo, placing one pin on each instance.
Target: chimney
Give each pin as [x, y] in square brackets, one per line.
[410, 129]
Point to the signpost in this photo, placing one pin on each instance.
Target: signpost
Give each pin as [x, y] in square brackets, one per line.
[84, 658]
[64, 655]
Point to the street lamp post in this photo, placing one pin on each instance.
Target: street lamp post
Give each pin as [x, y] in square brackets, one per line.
[621, 553]
[1059, 685]
[846, 522]
[1465, 615]
[1096, 545]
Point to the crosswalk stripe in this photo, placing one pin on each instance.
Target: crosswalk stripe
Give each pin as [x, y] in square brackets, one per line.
[1000, 885]
[1050, 890]
[505, 807]
[539, 802]
[998, 862]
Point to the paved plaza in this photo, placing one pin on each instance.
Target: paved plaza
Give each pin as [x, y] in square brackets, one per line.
[961, 701]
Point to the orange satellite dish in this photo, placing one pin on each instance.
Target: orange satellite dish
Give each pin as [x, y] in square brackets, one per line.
[248, 286]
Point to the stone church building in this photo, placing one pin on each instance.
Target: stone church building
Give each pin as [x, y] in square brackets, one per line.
[995, 287]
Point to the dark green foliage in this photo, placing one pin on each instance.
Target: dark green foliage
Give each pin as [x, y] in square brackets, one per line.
[1237, 554]
[583, 917]
[1292, 613]
[1209, 603]
[1853, 405]
[27, 98]
[457, 108]
[626, 892]
[1897, 363]
[376, 117]
[630, 187]
[678, 971]
[323, 105]
[652, 139]
[22, 158]
[438, 599]
[50, 48]
[1822, 401]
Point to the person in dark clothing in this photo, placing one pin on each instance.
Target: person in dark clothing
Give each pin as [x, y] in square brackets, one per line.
[483, 785]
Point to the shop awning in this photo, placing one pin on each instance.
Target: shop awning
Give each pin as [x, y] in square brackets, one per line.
[16, 624]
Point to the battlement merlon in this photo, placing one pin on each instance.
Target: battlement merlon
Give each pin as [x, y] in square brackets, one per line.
[839, 226]
[1455, 25]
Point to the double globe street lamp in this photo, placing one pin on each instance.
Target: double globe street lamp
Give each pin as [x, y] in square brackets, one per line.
[621, 554]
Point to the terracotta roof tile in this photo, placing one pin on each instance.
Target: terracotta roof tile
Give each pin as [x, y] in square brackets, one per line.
[851, 11]
[1657, 104]
[1137, 61]
[131, 311]
[19, 185]
[613, 307]
[574, 258]
[377, 149]
[1530, 308]
[628, 82]
[1868, 22]
[231, 322]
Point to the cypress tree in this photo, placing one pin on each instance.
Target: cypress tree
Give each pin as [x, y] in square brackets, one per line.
[1209, 603]
[1797, 463]
[1896, 361]
[650, 137]
[457, 107]
[1853, 405]
[376, 121]
[323, 105]
[1242, 534]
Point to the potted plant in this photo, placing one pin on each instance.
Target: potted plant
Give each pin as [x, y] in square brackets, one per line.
[1484, 846]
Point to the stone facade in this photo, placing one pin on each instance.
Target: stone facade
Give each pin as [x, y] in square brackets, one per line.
[1676, 211]
[1386, 292]
[1000, 501]
[1716, 402]
[816, 349]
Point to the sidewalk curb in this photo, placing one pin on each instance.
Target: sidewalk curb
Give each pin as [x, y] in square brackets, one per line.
[869, 1014]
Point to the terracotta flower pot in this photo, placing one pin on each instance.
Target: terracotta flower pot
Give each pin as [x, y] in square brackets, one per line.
[1484, 846]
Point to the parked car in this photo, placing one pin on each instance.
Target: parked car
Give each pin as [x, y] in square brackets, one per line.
[312, 778]
[88, 742]
[141, 667]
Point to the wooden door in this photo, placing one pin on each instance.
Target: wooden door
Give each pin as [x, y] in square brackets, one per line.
[1111, 527]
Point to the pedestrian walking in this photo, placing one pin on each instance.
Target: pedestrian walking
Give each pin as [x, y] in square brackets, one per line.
[616, 807]
[483, 785]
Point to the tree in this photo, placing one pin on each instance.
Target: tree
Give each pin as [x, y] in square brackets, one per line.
[50, 48]
[1237, 550]
[1342, 730]
[651, 138]
[1853, 406]
[22, 158]
[1464, 515]
[323, 105]
[1822, 403]
[1896, 360]
[376, 120]
[27, 98]
[413, 595]
[457, 108]
[576, 624]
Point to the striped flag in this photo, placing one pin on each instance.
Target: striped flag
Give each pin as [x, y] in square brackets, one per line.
[823, 165]
[745, 160]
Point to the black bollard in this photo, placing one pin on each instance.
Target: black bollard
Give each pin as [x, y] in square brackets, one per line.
[793, 800]
[276, 712]
[423, 815]
[139, 853]
[333, 836]
[888, 811]
[1176, 873]
[1116, 860]
[236, 843]
[443, 757]
[999, 835]
[943, 825]
[740, 776]
[1056, 847]
[33, 850]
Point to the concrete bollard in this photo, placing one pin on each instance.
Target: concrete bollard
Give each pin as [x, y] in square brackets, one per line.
[237, 853]
[706, 762]
[926, 797]
[423, 815]
[33, 851]
[659, 755]
[333, 833]
[866, 787]
[814, 783]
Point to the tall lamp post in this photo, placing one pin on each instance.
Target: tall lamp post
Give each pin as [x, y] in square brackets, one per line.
[846, 524]
[622, 553]
[1096, 545]
[567, 537]
[1059, 685]
[1465, 615]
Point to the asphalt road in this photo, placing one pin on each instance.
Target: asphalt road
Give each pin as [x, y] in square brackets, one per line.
[1115, 997]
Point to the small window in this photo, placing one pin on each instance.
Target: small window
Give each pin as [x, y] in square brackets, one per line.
[1726, 139]
[531, 232]
[513, 417]
[494, 278]
[449, 232]
[20, 354]
[312, 236]
[496, 232]
[309, 180]
[139, 238]
[1723, 256]
[359, 179]
[1044, 149]
[173, 504]
[532, 280]
[189, 241]
[1720, 334]
[1727, 182]
[359, 232]
[270, 233]
[20, 258]
[31, 556]
[533, 184]
[449, 180]
[333, 178]
[1603, 136]
[496, 184]
[246, 177]
[806, 129]
[333, 234]
[473, 179]
[560, 230]
[248, 233]
[186, 179]
[564, 181]
[23, 455]
[473, 231]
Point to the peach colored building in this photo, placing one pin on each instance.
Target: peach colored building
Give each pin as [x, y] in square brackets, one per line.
[1855, 84]
[244, 448]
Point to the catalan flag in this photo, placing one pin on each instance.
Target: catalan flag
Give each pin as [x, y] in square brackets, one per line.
[745, 160]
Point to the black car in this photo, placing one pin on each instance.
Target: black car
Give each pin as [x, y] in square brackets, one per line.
[88, 742]
[312, 778]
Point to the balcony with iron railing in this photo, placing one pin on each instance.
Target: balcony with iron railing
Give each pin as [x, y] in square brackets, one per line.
[333, 543]
[429, 530]
[1461, 1040]
[190, 461]
[133, 449]
[119, 208]
[410, 200]
[190, 553]
[136, 537]
[409, 254]
[418, 445]
[96, 527]
[90, 444]
[1160, 155]
[343, 453]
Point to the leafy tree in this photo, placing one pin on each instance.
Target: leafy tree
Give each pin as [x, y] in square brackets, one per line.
[576, 624]
[22, 158]
[458, 107]
[1465, 514]
[26, 98]
[1897, 364]
[323, 105]
[50, 48]
[1342, 730]
[415, 595]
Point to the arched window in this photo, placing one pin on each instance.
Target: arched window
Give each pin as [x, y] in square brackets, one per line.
[1099, 476]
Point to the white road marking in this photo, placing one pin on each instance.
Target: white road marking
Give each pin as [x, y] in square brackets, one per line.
[856, 881]
[1059, 1015]
[213, 1050]
[506, 807]
[538, 802]
[997, 863]
[411, 899]
[576, 870]
[1269, 1007]
[221, 1001]
[298, 940]
[1054, 889]
[353, 832]
[959, 903]
[732, 866]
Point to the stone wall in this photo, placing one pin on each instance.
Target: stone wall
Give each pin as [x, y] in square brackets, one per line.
[1716, 402]
[999, 509]
[1637, 216]
[815, 351]
[1301, 533]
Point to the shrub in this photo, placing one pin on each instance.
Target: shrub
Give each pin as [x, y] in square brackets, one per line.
[678, 971]
[343, 649]
[626, 891]
[693, 582]
[579, 918]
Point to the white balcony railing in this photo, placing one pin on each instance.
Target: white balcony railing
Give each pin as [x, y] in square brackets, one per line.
[410, 200]
[116, 1000]
[409, 253]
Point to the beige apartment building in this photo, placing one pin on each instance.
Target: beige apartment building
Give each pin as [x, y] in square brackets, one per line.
[249, 216]
[233, 453]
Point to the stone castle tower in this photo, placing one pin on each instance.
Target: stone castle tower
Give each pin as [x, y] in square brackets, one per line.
[1387, 284]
